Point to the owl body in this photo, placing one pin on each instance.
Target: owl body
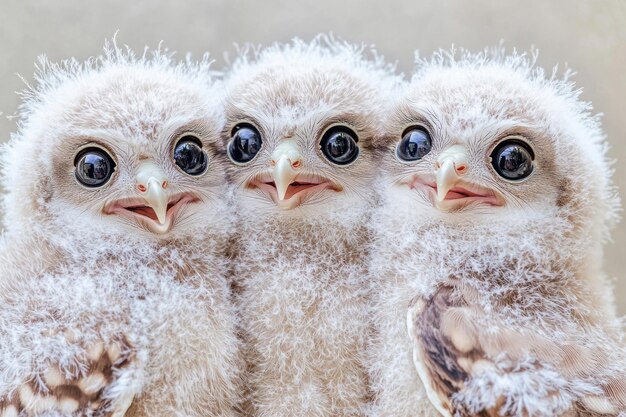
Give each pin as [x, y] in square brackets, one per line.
[303, 209]
[496, 252]
[114, 293]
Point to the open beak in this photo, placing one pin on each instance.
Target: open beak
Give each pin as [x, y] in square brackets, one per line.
[452, 164]
[155, 207]
[286, 183]
[450, 190]
[286, 162]
[284, 174]
[152, 183]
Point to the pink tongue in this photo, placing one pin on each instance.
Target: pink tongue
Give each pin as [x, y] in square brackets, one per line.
[294, 189]
[454, 196]
[146, 211]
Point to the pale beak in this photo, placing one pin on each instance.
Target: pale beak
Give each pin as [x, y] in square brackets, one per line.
[152, 184]
[286, 161]
[452, 164]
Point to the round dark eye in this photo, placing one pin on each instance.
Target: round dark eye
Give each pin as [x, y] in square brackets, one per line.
[246, 143]
[339, 145]
[189, 157]
[513, 159]
[93, 167]
[415, 144]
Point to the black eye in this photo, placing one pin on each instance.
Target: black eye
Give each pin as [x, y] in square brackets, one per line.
[188, 155]
[94, 167]
[415, 144]
[513, 159]
[246, 143]
[339, 145]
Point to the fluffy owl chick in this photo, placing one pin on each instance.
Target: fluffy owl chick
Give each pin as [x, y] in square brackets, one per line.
[113, 292]
[496, 202]
[300, 120]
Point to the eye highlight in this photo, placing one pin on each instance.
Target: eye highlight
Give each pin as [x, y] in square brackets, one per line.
[415, 144]
[513, 159]
[339, 145]
[189, 156]
[93, 167]
[245, 143]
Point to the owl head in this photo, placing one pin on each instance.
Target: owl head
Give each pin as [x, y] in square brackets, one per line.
[489, 139]
[119, 144]
[300, 122]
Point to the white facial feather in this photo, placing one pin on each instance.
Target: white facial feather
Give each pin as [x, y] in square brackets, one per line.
[116, 99]
[298, 92]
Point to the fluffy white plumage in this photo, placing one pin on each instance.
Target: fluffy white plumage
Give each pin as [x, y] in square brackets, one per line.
[102, 312]
[510, 311]
[299, 265]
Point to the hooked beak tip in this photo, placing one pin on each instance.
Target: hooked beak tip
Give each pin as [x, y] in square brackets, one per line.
[446, 179]
[441, 194]
[284, 175]
[161, 217]
[157, 198]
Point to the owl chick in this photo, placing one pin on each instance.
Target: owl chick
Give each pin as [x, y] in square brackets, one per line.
[497, 199]
[113, 291]
[300, 120]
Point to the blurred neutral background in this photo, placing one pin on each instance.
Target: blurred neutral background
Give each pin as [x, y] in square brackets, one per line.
[589, 36]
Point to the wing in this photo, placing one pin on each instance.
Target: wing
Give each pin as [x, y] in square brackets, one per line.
[100, 383]
[473, 369]
[63, 347]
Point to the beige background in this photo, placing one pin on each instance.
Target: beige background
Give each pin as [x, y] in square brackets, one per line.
[590, 36]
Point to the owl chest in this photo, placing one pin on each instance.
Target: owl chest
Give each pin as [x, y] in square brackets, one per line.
[303, 279]
[304, 313]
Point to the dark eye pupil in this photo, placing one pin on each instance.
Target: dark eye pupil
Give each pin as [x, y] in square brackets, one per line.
[340, 147]
[189, 156]
[245, 145]
[415, 144]
[94, 167]
[513, 160]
